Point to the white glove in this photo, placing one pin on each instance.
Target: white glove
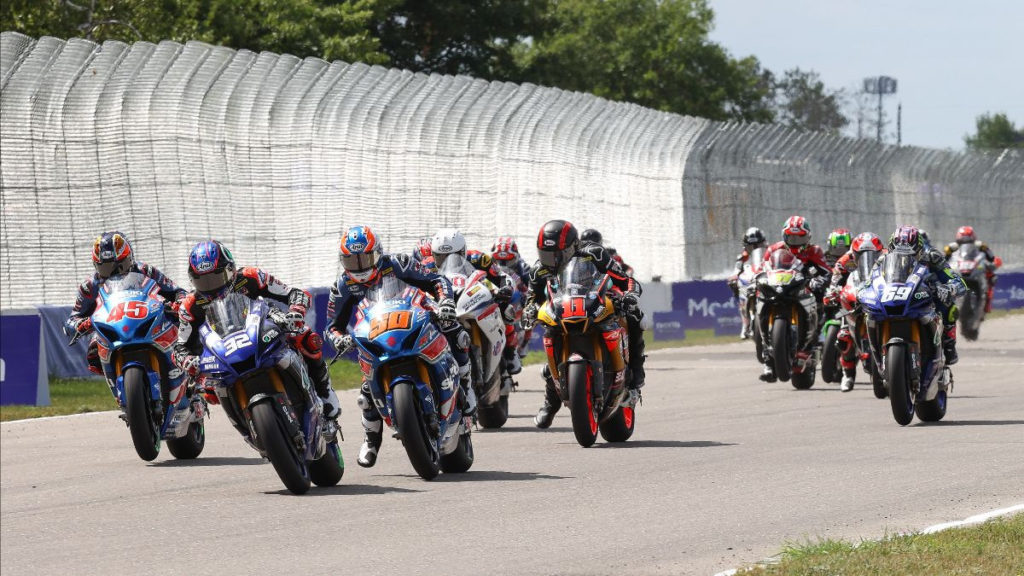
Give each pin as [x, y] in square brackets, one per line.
[341, 342]
[446, 311]
[944, 292]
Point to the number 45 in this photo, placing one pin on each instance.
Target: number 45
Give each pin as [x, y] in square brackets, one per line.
[896, 293]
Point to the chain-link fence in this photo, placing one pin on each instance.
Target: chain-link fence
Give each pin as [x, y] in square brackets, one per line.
[276, 156]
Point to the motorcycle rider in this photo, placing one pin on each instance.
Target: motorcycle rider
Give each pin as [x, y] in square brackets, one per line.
[943, 281]
[796, 237]
[865, 246]
[112, 256]
[212, 269]
[365, 265]
[557, 244]
[505, 254]
[965, 235]
[450, 241]
[752, 239]
[839, 241]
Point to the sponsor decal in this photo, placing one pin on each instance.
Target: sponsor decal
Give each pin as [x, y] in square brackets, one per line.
[204, 266]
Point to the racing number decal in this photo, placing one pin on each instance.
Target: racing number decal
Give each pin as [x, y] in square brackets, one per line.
[896, 293]
[572, 307]
[233, 344]
[400, 320]
[134, 310]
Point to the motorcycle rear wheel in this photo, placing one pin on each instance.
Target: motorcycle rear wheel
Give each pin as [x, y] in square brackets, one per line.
[410, 424]
[878, 384]
[270, 433]
[581, 404]
[831, 371]
[191, 445]
[461, 459]
[145, 435]
[495, 415]
[329, 468]
[780, 349]
[619, 427]
[900, 397]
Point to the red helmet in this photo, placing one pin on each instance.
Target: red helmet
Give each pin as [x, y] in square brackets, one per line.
[796, 232]
[965, 234]
[867, 242]
[505, 250]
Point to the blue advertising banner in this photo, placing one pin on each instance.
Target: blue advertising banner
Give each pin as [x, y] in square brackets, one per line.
[703, 305]
[1009, 292]
[669, 325]
[23, 378]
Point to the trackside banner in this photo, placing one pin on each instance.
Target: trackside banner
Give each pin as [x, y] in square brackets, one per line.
[23, 377]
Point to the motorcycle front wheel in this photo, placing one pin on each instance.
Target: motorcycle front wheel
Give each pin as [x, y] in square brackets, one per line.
[191, 445]
[145, 435]
[415, 438]
[831, 371]
[780, 348]
[280, 450]
[581, 403]
[900, 397]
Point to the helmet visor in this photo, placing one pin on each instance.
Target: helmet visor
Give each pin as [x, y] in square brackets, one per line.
[113, 268]
[359, 262]
[554, 259]
[212, 281]
[794, 240]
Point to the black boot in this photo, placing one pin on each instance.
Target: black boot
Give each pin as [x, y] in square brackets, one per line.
[949, 345]
[636, 356]
[552, 403]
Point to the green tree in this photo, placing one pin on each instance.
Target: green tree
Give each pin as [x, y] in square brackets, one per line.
[995, 132]
[655, 53]
[802, 101]
[475, 37]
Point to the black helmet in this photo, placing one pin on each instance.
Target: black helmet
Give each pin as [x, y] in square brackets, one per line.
[592, 235]
[556, 243]
[112, 255]
[753, 237]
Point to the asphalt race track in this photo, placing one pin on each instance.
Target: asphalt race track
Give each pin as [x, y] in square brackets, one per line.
[723, 470]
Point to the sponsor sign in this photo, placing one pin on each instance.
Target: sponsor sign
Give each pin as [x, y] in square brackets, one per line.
[1009, 292]
[23, 378]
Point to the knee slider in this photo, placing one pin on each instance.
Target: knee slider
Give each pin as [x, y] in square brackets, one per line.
[364, 403]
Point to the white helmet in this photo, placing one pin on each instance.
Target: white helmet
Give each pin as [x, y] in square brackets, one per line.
[447, 241]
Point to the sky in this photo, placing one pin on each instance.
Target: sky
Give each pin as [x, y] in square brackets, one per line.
[953, 60]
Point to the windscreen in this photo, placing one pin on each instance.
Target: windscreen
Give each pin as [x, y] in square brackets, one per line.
[227, 315]
[387, 288]
[581, 273]
[130, 281]
[967, 252]
[756, 257]
[456, 265]
[784, 260]
[865, 262]
[898, 266]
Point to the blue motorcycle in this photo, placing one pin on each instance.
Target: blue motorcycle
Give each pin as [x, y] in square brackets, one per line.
[262, 383]
[413, 378]
[905, 331]
[135, 330]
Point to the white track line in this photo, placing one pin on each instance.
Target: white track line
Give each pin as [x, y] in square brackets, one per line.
[976, 519]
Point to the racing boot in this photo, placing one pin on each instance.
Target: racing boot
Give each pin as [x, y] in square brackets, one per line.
[768, 374]
[849, 376]
[949, 345]
[637, 357]
[512, 362]
[371, 443]
[468, 395]
[552, 403]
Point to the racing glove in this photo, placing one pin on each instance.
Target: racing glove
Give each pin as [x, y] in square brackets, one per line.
[341, 342]
[446, 311]
[631, 306]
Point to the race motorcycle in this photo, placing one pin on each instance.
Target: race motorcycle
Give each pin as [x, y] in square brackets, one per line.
[135, 329]
[851, 317]
[782, 289]
[747, 288]
[413, 377]
[905, 332]
[521, 330]
[584, 360]
[974, 269]
[480, 315]
[266, 392]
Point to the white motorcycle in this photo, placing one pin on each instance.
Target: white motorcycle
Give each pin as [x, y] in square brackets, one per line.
[480, 315]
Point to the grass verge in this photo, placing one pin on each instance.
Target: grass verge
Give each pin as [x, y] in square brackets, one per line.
[994, 547]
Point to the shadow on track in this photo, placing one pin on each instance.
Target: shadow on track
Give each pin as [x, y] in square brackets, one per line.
[214, 461]
[497, 476]
[975, 423]
[530, 428]
[663, 444]
[345, 490]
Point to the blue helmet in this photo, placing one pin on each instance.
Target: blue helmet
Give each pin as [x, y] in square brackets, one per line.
[211, 267]
[360, 252]
[112, 254]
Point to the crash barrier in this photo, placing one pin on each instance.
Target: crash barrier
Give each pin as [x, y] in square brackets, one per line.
[672, 310]
[275, 156]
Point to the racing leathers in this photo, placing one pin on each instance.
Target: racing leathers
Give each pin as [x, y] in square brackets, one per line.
[80, 321]
[347, 293]
[813, 259]
[990, 271]
[946, 285]
[254, 282]
[631, 290]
